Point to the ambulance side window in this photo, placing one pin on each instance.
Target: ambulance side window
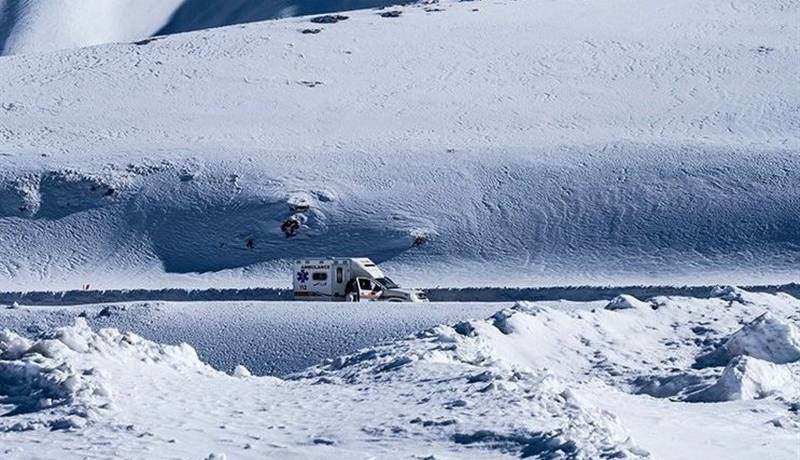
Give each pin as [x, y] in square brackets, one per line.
[319, 276]
[339, 275]
[364, 284]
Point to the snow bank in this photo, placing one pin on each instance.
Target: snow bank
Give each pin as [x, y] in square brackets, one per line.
[448, 387]
[626, 302]
[241, 372]
[766, 338]
[269, 338]
[64, 380]
[541, 415]
[545, 379]
[729, 293]
[58, 381]
[747, 378]
[40, 379]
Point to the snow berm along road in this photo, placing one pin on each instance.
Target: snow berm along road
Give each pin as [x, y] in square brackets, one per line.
[548, 380]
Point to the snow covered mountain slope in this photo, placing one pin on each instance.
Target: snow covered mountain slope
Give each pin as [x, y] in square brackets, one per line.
[492, 143]
[544, 380]
[28, 26]
[204, 14]
[35, 26]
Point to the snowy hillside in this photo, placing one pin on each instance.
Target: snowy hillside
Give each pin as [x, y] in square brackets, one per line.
[545, 381]
[28, 26]
[35, 26]
[204, 14]
[491, 143]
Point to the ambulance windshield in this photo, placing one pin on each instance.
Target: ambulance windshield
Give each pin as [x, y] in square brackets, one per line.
[387, 283]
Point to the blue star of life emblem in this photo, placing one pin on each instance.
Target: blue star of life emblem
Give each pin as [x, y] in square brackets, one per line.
[302, 276]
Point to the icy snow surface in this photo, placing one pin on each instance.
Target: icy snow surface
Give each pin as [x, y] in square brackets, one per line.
[543, 380]
[489, 143]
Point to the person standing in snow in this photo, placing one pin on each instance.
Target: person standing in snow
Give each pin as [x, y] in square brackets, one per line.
[351, 292]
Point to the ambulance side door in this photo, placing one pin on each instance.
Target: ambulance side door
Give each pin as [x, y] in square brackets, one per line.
[368, 289]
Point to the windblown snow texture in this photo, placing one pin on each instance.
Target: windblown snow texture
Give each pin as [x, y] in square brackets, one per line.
[525, 143]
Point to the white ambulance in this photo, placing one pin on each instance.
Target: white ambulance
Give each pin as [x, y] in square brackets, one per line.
[350, 279]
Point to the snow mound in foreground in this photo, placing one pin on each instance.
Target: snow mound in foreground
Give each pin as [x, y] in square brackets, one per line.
[626, 302]
[57, 382]
[446, 385]
[767, 338]
[729, 293]
[496, 404]
[545, 380]
[750, 378]
[201, 181]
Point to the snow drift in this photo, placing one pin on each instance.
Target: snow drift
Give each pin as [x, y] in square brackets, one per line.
[76, 377]
[750, 378]
[545, 379]
[766, 338]
[729, 293]
[483, 384]
[59, 381]
[623, 345]
[626, 302]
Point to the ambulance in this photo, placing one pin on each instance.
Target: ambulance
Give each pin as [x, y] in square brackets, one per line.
[348, 279]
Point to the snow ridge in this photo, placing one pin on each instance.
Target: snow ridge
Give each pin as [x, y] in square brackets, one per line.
[66, 381]
[536, 414]
[59, 381]
[747, 378]
[766, 338]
